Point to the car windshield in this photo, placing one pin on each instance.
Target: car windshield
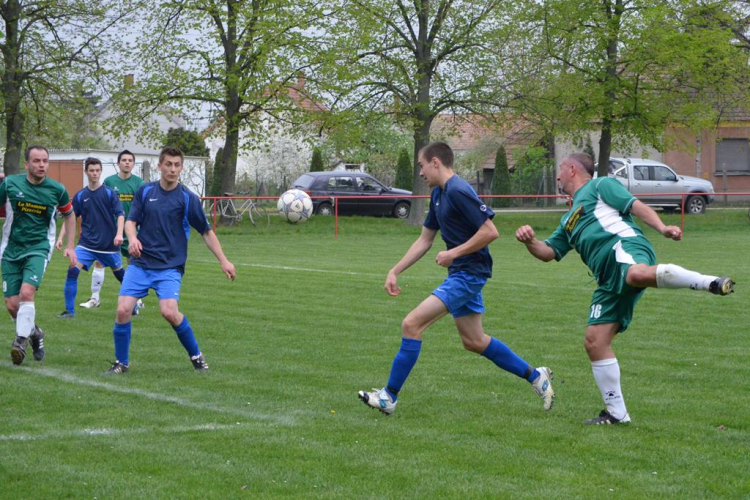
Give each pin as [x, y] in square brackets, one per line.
[304, 181]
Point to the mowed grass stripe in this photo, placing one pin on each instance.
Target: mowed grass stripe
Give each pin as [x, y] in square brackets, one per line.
[297, 344]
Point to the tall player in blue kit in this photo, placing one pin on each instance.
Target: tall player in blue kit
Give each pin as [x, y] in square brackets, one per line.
[102, 221]
[466, 227]
[163, 212]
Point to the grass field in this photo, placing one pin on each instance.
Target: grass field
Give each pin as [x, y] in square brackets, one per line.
[307, 324]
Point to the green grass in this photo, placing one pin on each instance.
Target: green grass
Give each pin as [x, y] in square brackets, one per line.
[307, 324]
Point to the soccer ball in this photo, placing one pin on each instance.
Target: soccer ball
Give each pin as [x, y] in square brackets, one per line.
[295, 205]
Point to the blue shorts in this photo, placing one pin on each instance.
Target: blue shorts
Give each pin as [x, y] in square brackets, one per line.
[462, 294]
[137, 281]
[87, 257]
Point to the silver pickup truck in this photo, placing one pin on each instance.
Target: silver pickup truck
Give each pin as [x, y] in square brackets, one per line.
[655, 179]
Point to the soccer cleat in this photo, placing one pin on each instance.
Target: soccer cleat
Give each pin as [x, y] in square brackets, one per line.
[379, 399]
[138, 306]
[90, 304]
[721, 286]
[18, 351]
[543, 387]
[66, 315]
[606, 418]
[199, 363]
[117, 368]
[37, 343]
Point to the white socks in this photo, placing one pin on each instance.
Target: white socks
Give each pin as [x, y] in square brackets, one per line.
[25, 319]
[97, 280]
[607, 376]
[672, 276]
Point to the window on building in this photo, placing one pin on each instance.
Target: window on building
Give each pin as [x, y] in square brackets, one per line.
[733, 156]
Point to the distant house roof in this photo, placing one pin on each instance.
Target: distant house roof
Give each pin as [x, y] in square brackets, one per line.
[466, 133]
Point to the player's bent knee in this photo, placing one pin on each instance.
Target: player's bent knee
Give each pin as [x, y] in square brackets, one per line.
[412, 329]
[640, 275]
[474, 345]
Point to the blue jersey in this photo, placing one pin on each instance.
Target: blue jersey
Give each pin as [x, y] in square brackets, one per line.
[458, 213]
[165, 218]
[98, 210]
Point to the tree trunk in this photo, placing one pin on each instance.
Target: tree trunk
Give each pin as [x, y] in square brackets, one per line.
[611, 81]
[422, 111]
[12, 80]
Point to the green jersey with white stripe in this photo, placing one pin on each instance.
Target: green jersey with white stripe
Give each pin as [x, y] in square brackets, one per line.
[125, 189]
[599, 218]
[30, 227]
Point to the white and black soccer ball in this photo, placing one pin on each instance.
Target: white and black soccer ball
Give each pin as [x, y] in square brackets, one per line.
[295, 206]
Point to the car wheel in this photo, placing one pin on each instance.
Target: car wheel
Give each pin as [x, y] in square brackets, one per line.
[325, 209]
[695, 205]
[401, 210]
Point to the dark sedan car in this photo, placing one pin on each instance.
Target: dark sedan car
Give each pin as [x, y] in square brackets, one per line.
[380, 199]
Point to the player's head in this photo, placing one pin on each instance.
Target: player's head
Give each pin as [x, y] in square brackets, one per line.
[93, 169]
[431, 159]
[575, 171]
[125, 161]
[170, 164]
[37, 162]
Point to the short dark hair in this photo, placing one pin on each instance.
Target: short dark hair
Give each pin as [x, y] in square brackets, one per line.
[441, 150]
[91, 161]
[585, 160]
[125, 152]
[170, 151]
[28, 151]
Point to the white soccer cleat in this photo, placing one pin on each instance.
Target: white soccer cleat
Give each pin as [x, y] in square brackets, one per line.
[378, 399]
[543, 387]
[140, 304]
[90, 304]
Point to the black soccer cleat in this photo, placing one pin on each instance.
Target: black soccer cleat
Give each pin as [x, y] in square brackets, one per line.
[606, 418]
[18, 351]
[37, 343]
[117, 368]
[199, 363]
[721, 286]
[66, 315]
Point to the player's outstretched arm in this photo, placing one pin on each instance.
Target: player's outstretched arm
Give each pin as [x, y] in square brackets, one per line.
[134, 244]
[486, 234]
[539, 249]
[649, 216]
[69, 226]
[213, 244]
[417, 250]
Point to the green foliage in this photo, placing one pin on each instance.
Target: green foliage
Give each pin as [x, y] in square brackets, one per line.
[190, 142]
[214, 186]
[372, 139]
[627, 69]
[316, 164]
[501, 179]
[530, 165]
[53, 60]
[404, 171]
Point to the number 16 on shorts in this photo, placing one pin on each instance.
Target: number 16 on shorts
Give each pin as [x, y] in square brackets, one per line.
[596, 311]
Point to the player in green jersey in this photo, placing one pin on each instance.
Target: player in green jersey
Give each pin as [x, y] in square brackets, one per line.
[124, 184]
[600, 228]
[28, 239]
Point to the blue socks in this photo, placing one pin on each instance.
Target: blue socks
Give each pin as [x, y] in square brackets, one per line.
[505, 358]
[71, 289]
[121, 334]
[185, 333]
[404, 361]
